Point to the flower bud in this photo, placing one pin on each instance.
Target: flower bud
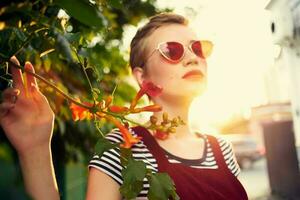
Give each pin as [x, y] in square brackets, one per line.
[164, 123]
[175, 122]
[165, 117]
[153, 119]
[108, 100]
[160, 127]
[171, 130]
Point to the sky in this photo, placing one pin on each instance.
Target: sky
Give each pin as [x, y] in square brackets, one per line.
[243, 51]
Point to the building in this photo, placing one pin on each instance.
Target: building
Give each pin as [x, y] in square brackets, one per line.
[283, 78]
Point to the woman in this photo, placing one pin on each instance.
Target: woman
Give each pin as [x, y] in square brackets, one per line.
[168, 53]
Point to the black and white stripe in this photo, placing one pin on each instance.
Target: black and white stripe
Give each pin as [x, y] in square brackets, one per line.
[110, 164]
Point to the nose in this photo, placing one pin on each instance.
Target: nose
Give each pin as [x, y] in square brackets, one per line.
[190, 58]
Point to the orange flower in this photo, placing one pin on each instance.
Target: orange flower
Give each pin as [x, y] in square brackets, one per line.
[108, 100]
[118, 109]
[147, 88]
[80, 113]
[129, 139]
[151, 108]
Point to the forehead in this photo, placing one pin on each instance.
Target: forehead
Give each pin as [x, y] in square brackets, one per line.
[171, 32]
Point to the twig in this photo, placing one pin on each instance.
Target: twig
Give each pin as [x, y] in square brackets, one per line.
[68, 97]
[99, 130]
[84, 71]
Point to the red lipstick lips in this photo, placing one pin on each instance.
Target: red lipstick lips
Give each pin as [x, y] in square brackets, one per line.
[193, 74]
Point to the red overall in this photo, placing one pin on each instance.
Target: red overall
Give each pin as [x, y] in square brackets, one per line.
[193, 183]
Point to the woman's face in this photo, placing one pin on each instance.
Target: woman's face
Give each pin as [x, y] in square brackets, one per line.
[171, 76]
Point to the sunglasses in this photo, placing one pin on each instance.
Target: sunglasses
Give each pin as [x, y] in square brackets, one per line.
[175, 51]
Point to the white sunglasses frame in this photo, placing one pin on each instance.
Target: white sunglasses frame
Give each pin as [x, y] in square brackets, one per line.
[184, 50]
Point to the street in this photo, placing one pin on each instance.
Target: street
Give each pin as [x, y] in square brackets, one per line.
[255, 180]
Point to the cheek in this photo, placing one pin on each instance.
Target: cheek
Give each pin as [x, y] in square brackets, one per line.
[204, 64]
[167, 75]
[162, 72]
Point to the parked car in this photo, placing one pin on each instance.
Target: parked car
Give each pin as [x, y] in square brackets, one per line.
[246, 149]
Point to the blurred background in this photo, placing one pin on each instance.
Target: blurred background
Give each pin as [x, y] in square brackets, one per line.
[252, 99]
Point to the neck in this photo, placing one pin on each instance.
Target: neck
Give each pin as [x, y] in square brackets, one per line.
[175, 107]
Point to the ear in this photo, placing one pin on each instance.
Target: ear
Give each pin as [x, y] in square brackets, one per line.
[139, 74]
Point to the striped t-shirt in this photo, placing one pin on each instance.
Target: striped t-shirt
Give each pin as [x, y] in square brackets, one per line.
[110, 163]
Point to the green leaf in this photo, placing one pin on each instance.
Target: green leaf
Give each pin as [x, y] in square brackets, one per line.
[115, 3]
[74, 38]
[104, 145]
[126, 155]
[63, 46]
[161, 187]
[133, 176]
[11, 40]
[83, 11]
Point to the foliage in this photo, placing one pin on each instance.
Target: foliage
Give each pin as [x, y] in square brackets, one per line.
[76, 44]
[58, 44]
[161, 187]
[133, 176]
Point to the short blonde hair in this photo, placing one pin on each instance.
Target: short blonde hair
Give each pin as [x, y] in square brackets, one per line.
[139, 42]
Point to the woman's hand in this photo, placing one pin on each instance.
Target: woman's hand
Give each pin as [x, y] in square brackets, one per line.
[25, 114]
[27, 120]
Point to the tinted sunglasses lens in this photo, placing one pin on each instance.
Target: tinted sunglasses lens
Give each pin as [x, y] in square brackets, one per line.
[203, 48]
[197, 49]
[173, 51]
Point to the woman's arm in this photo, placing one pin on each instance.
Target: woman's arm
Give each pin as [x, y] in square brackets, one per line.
[38, 174]
[27, 120]
[105, 171]
[102, 186]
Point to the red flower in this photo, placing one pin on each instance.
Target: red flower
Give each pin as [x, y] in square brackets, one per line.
[80, 113]
[129, 139]
[161, 135]
[147, 88]
[151, 89]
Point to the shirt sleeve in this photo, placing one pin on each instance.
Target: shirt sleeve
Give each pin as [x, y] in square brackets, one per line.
[109, 162]
[230, 159]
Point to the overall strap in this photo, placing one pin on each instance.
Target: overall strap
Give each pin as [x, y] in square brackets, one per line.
[151, 144]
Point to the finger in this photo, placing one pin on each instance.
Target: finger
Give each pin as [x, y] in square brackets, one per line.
[38, 96]
[5, 107]
[10, 94]
[30, 79]
[42, 101]
[16, 74]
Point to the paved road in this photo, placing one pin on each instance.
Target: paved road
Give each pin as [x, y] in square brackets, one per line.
[255, 180]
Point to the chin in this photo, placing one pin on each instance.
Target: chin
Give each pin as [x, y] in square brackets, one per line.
[197, 93]
[195, 89]
[190, 94]
[186, 91]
